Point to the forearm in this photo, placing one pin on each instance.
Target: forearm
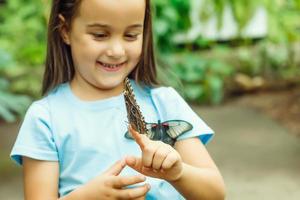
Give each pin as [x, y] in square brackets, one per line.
[77, 194]
[200, 183]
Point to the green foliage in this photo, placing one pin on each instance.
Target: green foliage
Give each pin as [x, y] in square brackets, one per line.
[242, 10]
[284, 23]
[22, 51]
[202, 79]
[23, 47]
[283, 16]
[6, 59]
[269, 60]
[171, 17]
[11, 105]
[22, 30]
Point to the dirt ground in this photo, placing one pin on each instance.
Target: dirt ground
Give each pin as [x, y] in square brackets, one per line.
[282, 106]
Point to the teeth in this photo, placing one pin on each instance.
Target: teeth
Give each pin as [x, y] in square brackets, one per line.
[110, 66]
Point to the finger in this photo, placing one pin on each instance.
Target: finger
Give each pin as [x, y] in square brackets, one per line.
[123, 181]
[148, 154]
[134, 162]
[159, 156]
[133, 193]
[170, 160]
[139, 138]
[116, 168]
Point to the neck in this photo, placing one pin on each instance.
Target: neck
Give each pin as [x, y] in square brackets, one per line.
[89, 92]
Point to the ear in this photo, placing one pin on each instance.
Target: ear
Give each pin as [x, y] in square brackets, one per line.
[63, 29]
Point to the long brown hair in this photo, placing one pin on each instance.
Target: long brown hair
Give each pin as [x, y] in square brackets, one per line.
[59, 67]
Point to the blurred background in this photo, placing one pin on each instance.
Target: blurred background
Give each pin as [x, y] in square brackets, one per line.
[236, 61]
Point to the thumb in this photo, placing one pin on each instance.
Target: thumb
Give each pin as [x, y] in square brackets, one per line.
[116, 168]
[134, 162]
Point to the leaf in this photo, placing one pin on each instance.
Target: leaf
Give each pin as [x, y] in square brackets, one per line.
[6, 114]
[215, 86]
[5, 59]
[3, 84]
[12, 105]
[194, 92]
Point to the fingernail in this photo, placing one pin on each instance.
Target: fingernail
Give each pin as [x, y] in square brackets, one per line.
[142, 177]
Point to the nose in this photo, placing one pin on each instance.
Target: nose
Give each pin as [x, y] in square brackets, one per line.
[116, 50]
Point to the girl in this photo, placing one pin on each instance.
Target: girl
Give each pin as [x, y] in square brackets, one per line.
[71, 143]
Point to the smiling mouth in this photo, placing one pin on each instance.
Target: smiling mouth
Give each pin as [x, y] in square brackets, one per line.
[111, 67]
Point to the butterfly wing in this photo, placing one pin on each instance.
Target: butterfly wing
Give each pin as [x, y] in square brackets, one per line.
[128, 135]
[149, 131]
[177, 127]
[134, 114]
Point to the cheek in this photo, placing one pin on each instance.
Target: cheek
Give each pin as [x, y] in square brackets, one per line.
[87, 50]
[135, 50]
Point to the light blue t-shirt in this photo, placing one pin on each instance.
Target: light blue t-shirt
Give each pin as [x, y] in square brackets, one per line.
[88, 137]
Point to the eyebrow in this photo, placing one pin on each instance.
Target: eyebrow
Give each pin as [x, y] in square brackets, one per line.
[107, 26]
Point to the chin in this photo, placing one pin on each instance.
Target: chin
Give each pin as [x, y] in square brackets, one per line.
[109, 85]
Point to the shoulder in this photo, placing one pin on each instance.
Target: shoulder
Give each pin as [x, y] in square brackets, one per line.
[168, 96]
[167, 92]
[40, 109]
[37, 114]
[162, 95]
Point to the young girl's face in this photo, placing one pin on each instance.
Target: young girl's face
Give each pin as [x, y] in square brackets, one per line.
[106, 39]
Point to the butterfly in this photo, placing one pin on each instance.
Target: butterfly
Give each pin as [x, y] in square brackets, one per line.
[166, 131]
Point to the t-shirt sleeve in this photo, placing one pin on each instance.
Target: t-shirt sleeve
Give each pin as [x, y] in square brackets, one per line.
[171, 106]
[35, 138]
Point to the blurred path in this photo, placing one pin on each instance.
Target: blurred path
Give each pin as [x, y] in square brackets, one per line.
[258, 159]
[11, 186]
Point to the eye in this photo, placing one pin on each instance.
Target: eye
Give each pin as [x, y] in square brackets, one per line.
[131, 37]
[99, 35]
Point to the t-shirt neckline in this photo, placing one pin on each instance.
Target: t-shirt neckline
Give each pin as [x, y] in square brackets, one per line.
[97, 104]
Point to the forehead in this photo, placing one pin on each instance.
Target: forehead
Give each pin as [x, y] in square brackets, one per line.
[112, 12]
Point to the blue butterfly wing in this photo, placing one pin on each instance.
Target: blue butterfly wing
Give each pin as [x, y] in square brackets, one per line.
[128, 135]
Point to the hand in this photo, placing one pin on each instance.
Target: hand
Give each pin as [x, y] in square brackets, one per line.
[111, 186]
[159, 160]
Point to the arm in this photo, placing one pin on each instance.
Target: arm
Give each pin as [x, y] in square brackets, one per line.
[200, 178]
[41, 180]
